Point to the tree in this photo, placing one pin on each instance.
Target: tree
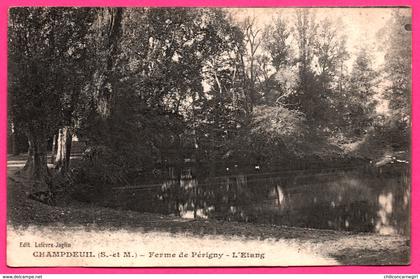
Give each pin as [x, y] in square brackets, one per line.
[252, 40]
[391, 132]
[77, 73]
[43, 49]
[330, 55]
[277, 130]
[306, 97]
[279, 83]
[158, 117]
[397, 65]
[276, 37]
[361, 108]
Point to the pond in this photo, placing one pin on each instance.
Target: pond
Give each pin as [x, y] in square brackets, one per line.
[354, 199]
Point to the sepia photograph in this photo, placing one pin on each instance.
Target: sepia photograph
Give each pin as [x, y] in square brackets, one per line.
[209, 137]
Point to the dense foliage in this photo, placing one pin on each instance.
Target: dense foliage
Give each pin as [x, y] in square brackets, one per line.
[150, 90]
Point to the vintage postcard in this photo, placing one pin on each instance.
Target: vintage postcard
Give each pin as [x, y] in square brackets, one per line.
[175, 137]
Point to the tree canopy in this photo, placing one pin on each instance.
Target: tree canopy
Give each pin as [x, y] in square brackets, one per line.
[148, 87]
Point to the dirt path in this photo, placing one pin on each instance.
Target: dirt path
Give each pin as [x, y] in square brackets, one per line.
[343, 247]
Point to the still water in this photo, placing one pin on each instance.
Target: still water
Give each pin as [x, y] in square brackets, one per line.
[376, 200]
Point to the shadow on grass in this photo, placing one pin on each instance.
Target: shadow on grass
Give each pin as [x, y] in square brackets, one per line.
[352, 256]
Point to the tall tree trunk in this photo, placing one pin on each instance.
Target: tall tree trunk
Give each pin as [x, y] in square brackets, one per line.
[54, 148]
[178, 190]
[59, 156]
[13, 145]
[178, 175]
[212, 155]
[196, 159]
[13, 149]
[108, 98]
[62, 158]
[29, 165]
[67, 154]
[40, 170]
[36, 165]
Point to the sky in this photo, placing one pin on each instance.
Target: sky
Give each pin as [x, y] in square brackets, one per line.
[360, 25]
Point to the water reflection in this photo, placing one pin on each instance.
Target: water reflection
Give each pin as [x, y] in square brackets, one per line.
[356, 200]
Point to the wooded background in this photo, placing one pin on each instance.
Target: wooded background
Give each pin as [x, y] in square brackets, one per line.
[152, 93]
